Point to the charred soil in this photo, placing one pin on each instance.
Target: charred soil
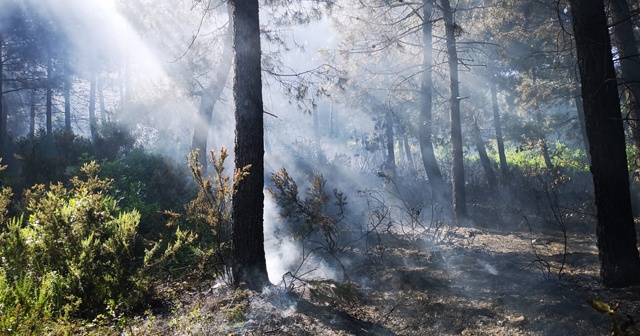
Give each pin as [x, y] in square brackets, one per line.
[518, 280]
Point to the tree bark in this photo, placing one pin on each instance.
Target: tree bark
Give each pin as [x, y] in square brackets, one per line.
[49, 102]
[93, 125]
[249, 262]
[484, 158]
[438, 187]
[103, 110]
[3, 120]
[67, 94]
[390, 164]
[625, 42]
[457, 166]
[504, 168]
[544, 148]
[210, 96]
[542, 141]
[32, 114]
[617, 245]
[583, 126]
[407, 152]
[4, 129]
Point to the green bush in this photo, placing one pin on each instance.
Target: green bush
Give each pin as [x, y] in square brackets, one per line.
[149, 183]
[77, 249]
[156, 179]
[55, 158]
[72, 256]
[25, 303]
[199, 245]
[209, 214]
[528, 159]
[312, 214]
[46, 158]
[113, 140]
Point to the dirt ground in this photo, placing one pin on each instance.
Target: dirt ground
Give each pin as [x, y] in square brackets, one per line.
[472, 281]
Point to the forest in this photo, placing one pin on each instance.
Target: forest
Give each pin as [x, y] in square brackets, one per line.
[327, 167]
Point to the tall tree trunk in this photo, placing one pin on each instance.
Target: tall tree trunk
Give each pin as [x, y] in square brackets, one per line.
[210, 95]
[617, 245]
[4, 116]
[497, 124]
[49, 103]
[67, 94]
[438, 187]
[626, 44]
[457, 166]
[3, 120]
[249, 262]
[32, 114]
[484, 158]
[201, 125]
[544, 148]
[407, 152]
[390, 164]
[3, 130]
[542, 141]
[583, 126]
[103, 110]
[93, 125]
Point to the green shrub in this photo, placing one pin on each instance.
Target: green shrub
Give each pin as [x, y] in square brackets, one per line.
[149, 183]
[312, 214]
[113, 140]
[73, 256]
[528, 159]
[209, 214]
[77, 250]
[55, 158]
[45, 159]
[199, 245]
[26, 305]
[151, 178]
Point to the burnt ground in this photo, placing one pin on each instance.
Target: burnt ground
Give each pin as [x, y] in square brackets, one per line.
[469, 281]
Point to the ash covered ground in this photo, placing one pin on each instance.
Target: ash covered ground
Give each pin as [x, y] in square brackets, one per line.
[516, 280]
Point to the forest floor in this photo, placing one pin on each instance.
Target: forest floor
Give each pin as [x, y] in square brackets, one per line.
[471, 281]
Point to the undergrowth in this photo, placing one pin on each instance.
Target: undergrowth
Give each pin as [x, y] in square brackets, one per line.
[317, 217]
[70, 254]
[75, 260]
